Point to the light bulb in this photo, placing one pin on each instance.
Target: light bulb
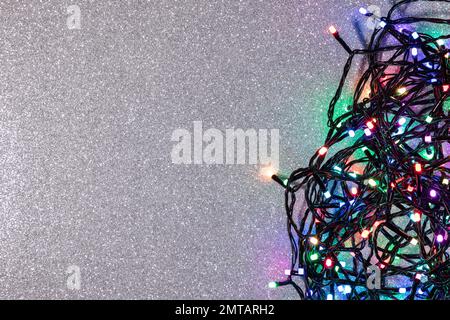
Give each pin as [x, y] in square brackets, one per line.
[323, 151]
[372, 183]
[418, 167]
[365, 234]
[416, 216]
[314, 241]
[402, 90]
[332, 30]
[329, 263]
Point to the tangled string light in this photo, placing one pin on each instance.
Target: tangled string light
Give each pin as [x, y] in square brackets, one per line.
[375, 221]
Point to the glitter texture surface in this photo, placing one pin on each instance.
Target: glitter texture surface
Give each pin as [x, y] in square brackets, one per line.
[86, 123]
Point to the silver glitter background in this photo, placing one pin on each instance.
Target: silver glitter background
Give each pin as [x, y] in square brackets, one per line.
[86, 121]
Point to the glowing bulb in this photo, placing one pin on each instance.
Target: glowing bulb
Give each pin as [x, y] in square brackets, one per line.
[347, 289]
[414, 241]
[433, 193]
[372, 183]
[327, 195]
[314, 257]
[382, 24]
[401, 91]
[323, 151]
[445, 87]
[287, 272]
[354, 191]
[332, 30]
[268, 172]
[415, 35]
[329, 263]
[351, 133]
[427, 139]
[367, 132]
[402, 121]
[445, 181]
[273, 285]
[428, 119]
[363, 11]
[370, 125]
[410, 188]
[418, 167]
[329, 297]
[314, 241]
[414, 52]
[402, 290]
[440, 238]
[301, 271]
[365, 234]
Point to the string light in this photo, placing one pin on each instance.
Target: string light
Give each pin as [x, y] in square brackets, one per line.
[418, 167]
[314, 241]
[401, 91]
[416, 216]
[372, 201]
[323, 151]
[332, 30]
